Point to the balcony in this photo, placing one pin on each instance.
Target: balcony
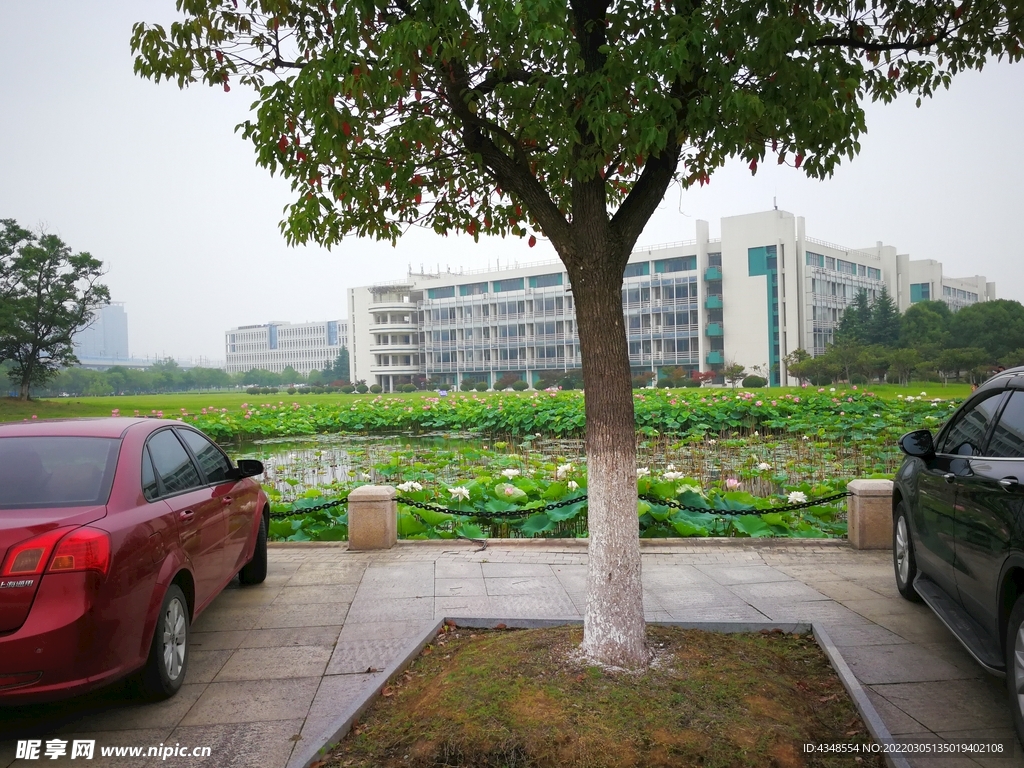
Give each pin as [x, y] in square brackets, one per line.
[715, 329]
[713, 301]
[715, 357]
[712, 273]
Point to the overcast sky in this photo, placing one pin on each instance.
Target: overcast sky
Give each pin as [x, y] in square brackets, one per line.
[155, 183]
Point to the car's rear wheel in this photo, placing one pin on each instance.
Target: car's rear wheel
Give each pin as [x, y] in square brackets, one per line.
[1015, 666]
[903, 555]
[168, 655]
[255, 571]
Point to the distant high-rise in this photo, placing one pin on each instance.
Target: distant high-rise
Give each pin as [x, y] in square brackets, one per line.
[105, 339]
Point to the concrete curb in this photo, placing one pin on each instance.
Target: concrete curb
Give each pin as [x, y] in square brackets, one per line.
[319, 743]
[347, 715]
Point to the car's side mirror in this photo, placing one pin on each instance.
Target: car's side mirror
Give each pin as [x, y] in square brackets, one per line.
[918, 444]
[248, 468]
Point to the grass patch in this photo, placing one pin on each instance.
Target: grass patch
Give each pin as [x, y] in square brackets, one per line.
[513, 699]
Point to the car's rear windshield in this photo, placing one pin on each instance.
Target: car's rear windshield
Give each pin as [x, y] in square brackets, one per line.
[56, 471]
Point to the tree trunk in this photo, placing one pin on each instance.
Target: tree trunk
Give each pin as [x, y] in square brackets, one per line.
[613, 626]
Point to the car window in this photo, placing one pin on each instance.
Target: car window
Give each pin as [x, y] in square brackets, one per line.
[150, 489]
[966, 436]
[172, 463]
[1008, 437]
[215, 465]
[56, 471]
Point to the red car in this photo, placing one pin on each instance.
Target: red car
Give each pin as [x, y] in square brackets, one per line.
[115, 534]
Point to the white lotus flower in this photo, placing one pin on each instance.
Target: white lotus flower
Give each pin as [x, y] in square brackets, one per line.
[509, 473]
[459, 493]
[797, 497]
[764, 466]
[365, 476]
[562, 471]
[572, 485]
[410, 486]
[642, 471]
[924, 394]
[672, 476]
[670, 468]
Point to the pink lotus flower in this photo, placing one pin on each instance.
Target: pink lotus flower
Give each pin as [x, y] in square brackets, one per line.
[732, 484]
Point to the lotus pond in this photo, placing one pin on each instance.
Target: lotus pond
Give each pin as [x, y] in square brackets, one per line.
[720, 452]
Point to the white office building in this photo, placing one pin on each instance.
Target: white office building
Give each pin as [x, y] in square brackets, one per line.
[752, 297]
[275, 346]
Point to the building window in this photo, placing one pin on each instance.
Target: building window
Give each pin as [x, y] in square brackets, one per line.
[447, 292]
[920, 292]
[846, 267]
[546, 281]
[682, 264]
[830, 263]
[714, 259]
[511, 284]
[874, 274]
[815, 260]
[637, 270]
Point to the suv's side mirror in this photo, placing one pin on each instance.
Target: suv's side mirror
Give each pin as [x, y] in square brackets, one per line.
[248, 468]
[918, 444]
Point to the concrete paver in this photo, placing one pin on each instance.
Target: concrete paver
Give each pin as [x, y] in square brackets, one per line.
[271, 665]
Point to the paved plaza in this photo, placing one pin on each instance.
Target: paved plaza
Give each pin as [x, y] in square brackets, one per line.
[271, 665]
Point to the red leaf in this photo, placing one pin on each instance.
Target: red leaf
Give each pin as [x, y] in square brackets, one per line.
[753, 165]
[532, 241]
[226, 87]
[301, 155]
[283, 143]
[799, 160]
[419, 198]
[346, 128]
[220, 57]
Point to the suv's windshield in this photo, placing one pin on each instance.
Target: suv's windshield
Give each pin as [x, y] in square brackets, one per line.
[56, 471]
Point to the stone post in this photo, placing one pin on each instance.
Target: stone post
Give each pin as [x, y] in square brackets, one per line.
[869, 514]
[372, 517]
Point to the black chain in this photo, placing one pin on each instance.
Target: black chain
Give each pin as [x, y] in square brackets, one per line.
[308, 510]
[733, 513]
[566, 502]
[492, 515]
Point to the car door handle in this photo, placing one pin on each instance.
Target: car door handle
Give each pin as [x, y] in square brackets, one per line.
[1009, 483]
[225, 500]
[186, 516]
[949, 477]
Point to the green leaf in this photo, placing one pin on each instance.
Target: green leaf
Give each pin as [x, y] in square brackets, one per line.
[535, 524]
[752, 526]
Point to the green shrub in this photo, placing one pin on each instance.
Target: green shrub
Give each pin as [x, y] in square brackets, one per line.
[466, 386]
[858, 379]
[821, 381]
[291, 390]
[689, 382]
[348, 389]
[376, 389]
[520, 385]
[480, 386]
[362, 389]
[753, 382]
[408, 388]
[664, 383]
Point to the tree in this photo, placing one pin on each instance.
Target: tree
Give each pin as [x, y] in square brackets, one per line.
[855, 324]
[734, 373]
[339, 369]
[925, 326]
[796, 364]
[884, 323]
[568, 120]
[952, 362]
[50, 295]
[847, 356]
[902, 363]
[290, 376]
[995, 326]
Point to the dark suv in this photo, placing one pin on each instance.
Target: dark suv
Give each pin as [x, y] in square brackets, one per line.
[958, 527]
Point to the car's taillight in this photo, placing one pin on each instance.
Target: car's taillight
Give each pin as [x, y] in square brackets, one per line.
[29, 557]
[77, 549]
[85, 549]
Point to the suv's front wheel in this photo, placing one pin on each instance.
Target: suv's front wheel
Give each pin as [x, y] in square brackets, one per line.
[903, 554]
